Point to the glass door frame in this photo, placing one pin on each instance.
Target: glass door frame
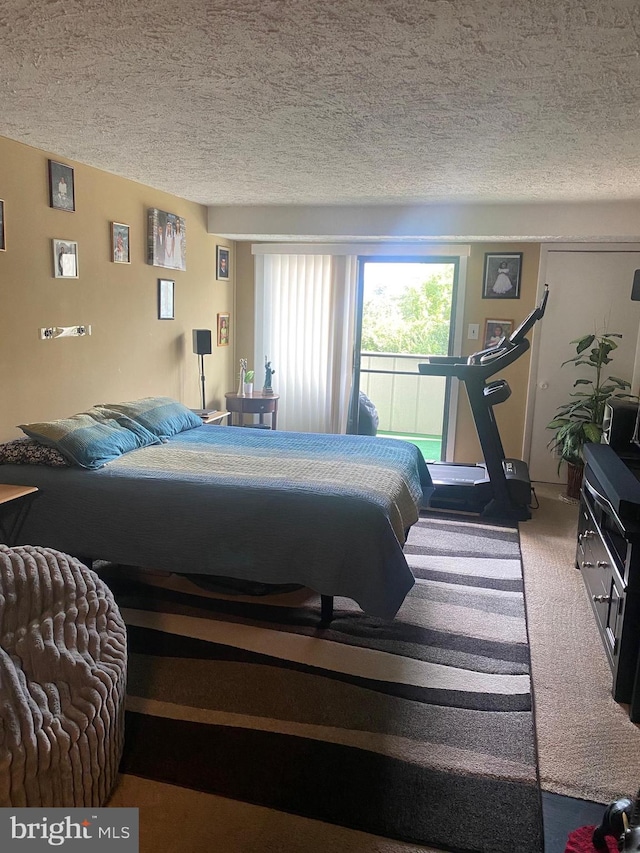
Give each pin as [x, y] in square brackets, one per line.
[455, 335]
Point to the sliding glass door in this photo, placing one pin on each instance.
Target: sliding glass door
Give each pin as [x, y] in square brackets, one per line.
[405, 311]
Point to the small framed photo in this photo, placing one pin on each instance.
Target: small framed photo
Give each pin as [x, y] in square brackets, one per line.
[62, 194]
[65, 258]
[222, 263]
[166, 299]
[495, 330]
[223, 330]
[3, 242]
[502, 275]
[120, 252]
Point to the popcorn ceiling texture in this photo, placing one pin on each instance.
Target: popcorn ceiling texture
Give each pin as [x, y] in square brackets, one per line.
[340, 101]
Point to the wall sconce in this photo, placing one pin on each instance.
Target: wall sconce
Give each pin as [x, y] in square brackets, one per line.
[51, 332]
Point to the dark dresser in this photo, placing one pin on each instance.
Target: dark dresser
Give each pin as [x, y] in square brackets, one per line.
[608, 555]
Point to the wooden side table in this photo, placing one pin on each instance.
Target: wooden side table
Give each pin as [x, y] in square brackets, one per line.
[8, 494]
[253, 404]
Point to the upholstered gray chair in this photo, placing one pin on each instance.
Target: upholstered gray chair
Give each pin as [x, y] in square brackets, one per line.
[63, 666]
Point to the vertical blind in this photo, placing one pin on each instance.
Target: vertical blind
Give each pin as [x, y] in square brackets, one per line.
[305, 316]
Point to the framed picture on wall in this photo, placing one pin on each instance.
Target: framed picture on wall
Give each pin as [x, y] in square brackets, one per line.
[62, 193]
[166, 299]
[495, 330]
[502, 275]
[3, 242]
[120, 252]
[222, 263]
[166, 239]
[65, 258]
[223, 330]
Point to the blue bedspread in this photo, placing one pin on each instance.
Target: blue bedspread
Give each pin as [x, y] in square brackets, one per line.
[326, 511]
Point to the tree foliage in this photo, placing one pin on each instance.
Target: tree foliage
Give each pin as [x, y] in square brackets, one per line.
[414, 322]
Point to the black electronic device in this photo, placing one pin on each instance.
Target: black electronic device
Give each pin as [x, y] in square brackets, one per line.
[202, 341]
[619, 425]
[202, 347]
[499, 487]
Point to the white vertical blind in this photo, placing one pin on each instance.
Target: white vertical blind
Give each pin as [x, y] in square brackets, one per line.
[305, 314]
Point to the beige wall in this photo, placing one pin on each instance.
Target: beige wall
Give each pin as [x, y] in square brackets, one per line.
[130, 352]
[511, 414]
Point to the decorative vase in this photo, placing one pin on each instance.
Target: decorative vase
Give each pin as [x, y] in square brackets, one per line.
[248, 389]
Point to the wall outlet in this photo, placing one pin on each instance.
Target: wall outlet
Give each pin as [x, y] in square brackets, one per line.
[474, 331]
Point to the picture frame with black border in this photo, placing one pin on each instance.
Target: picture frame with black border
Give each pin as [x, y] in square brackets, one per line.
[166, 299]
[502, 273]
[222, 263]
[65, 258]
[3, 240]
[120, 249]
[62, 190]
[495, 330]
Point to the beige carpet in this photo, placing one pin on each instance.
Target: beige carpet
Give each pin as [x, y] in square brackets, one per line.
[587, 746]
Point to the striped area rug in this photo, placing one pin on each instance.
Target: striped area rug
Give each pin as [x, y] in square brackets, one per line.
[419, 729]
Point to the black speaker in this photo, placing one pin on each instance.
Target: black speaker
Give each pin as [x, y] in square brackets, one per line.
[202, 341]
[619, 424]
[635, 290]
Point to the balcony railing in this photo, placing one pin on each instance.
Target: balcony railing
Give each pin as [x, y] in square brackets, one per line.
[407, 402]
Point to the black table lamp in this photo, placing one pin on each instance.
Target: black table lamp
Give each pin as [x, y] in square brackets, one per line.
[202, 347]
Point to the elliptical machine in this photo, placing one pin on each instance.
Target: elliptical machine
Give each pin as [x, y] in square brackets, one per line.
[499, 487]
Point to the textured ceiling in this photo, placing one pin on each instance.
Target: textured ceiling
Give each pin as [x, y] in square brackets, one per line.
[333, 101]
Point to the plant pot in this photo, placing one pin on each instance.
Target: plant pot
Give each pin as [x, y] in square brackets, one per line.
[248, 388]
[574, 480]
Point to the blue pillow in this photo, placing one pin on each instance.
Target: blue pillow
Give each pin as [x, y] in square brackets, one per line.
[91, 439]
[162, 416]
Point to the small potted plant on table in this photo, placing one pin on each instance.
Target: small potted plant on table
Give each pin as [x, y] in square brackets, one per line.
[248, 382]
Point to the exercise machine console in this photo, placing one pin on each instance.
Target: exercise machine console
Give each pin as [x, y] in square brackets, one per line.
[498, 487]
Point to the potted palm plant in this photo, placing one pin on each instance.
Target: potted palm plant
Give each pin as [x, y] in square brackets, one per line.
[580, 420]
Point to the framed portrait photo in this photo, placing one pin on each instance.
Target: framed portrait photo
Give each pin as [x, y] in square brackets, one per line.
[3, 241]
[223, 330]
[166, 239]
[62, 193]
[222, 263]
[65, 258]
[120, 252]
[495, 330]
[502, 275]
[166, 299]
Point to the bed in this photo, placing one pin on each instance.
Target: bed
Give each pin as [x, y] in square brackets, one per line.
[328, 512]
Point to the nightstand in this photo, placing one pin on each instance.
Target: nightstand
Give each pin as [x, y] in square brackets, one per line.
[213, 416]
[9, 494]
[253, 404]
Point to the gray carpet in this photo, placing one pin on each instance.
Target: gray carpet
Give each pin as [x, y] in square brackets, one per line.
[418, 730]
[588, 748]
